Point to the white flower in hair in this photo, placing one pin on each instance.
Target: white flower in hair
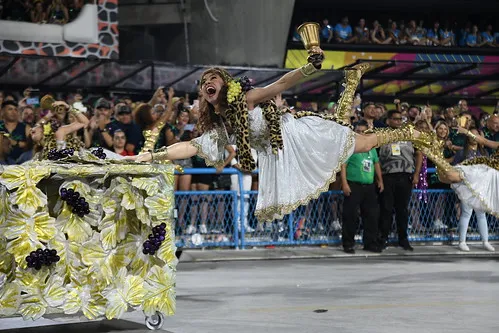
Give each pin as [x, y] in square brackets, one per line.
[79, 106]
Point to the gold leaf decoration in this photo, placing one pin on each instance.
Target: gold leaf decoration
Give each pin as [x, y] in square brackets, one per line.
[127, 290]
[77, 228]
[140, 263]
[4, 205]
[160, 286]
[105, 262]
[86, 298]
[69, 264]
[21, 247]
[39, 291]
[166, 251]
[113, 229]
[10, 297]
[7, 261]
[159, 206]
[27, 196]
[150, 185]
[102, 270]
[29, 199]
[25, 233]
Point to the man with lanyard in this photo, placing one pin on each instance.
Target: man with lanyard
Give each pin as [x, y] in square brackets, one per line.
[357, 177]
[400, 165]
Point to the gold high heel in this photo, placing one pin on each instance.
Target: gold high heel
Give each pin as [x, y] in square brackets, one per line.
[352, 79]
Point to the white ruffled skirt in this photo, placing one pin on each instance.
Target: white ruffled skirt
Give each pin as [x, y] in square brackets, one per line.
[314, 150]
[480, 188]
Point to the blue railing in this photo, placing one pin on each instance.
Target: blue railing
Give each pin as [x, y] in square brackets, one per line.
[223, 218]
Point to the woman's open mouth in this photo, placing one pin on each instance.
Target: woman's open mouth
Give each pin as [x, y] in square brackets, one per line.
[211, 90]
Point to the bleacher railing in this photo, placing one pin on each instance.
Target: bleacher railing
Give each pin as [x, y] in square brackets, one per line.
[212, 219]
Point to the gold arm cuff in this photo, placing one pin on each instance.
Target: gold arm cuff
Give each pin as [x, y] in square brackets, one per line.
[308, 69]
[161, 156]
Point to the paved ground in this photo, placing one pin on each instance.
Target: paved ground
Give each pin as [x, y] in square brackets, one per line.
[319, 252]
[374, 294]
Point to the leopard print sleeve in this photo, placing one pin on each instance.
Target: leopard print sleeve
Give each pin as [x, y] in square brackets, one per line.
[237, 115]
[273, 117]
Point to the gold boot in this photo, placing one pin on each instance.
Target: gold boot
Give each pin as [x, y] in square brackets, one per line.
[352, 79]
[404, 133]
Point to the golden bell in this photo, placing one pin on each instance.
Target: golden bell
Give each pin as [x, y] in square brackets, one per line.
[46, 102]
[309, 33]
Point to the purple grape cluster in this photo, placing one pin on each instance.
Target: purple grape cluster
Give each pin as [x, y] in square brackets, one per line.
[99, 152]
[73, 198]
[40, 257]
[55, 154]
[245, 83]
[157, 237]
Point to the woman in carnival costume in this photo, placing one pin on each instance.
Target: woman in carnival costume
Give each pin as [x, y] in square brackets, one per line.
[472, 149]
[48, 135]
[476, 180]
[299, 155]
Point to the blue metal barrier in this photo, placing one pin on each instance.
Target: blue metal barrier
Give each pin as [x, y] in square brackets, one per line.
[222, 213]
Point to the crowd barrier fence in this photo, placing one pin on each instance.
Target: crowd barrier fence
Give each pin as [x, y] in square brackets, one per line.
[211, 219]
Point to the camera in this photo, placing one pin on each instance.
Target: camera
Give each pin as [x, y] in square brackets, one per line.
[34, 97]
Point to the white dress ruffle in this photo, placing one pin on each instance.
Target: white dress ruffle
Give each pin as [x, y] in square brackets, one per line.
[314, 150]
[480, 187]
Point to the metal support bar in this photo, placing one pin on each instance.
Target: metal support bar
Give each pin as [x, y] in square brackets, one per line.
[126, 77]
[424, 98]
[374, 85]
[392, 76]
[82, 73]
[407, 73]
[240, 72]
[381, 68]
[59, 72]
[189, 73]
[335, 79]
[401, 76]
[446, 76]
[10, 64]
[269, 79]
[486, 93]
[456, 88]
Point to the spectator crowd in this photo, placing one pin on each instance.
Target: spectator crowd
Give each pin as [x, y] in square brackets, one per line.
[377, 184]
[400, 33]
[122, 126]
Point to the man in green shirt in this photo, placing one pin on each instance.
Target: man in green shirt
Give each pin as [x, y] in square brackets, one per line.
[357, 177]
